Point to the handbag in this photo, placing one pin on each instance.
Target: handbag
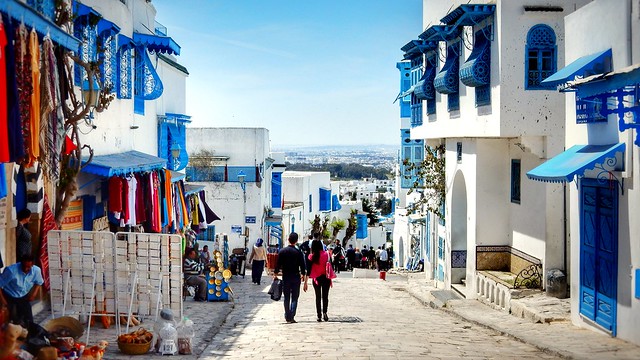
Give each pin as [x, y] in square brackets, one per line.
[275, 290]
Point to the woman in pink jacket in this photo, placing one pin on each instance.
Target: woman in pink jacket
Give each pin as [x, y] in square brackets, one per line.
[317, 270]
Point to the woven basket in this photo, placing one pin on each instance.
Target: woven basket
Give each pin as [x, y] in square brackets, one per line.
[67, 324]
[134, 349]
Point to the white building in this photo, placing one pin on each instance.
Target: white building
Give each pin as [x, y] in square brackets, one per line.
[477, 91]
[236, 168]
[601, 124]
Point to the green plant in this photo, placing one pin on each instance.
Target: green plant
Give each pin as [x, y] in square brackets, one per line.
[336, 226]
[430, 181]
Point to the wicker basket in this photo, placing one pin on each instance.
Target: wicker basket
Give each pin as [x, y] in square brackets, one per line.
[134, 349]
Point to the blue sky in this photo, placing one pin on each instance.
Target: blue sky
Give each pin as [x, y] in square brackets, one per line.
[312, 72]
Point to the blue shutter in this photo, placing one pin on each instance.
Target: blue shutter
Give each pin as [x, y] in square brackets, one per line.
[362, 231]
[310, 202]
[325, 199]
[276, 190]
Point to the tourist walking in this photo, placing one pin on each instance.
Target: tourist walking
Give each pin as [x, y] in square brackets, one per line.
[383, 259]
[257, 260]
[317, 270]
[291, 261]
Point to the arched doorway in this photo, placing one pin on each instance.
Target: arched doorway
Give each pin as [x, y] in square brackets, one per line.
[459, 230]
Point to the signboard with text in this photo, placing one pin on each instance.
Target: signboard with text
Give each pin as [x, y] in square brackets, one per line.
[236, 229]
[250, 219]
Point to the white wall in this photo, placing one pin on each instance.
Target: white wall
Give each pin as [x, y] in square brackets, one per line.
[598, 26]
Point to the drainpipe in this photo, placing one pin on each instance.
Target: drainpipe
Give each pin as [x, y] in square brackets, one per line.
[564, 235]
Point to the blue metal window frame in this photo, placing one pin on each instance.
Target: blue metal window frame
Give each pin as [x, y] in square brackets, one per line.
[125, 64]
[87, 51]
[516, 180]
[310, 202]
[541, 51]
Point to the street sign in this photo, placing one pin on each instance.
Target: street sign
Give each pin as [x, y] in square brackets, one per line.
[249, 219]
[236, 229]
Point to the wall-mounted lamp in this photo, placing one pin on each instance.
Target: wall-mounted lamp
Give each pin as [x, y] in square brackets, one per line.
[241, 178]
[91, 93]
[175, 154]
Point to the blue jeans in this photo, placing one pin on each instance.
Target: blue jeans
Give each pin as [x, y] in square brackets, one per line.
[291, 292]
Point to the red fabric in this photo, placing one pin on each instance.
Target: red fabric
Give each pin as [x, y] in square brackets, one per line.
[115, 194]
[319, 269]
[125, 200]
[141, 215]
[4, 124]
[48, 224]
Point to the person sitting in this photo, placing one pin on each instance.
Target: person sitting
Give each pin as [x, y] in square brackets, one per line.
[19, 285]
[192, 270]
[205, 255]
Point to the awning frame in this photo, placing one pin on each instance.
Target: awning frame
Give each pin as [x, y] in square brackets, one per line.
[600, 161]
[139, 162]
[584, 66]
[157, 43]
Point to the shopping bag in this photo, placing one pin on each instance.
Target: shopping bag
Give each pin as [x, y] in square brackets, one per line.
[330, 274]
[275, 290]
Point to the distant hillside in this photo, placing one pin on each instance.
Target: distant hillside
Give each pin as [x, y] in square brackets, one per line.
[344, 171]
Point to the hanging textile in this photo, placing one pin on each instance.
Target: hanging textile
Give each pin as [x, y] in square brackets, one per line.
[115, 196]
[125, 202]
[4, 130]
[48, 223]
[23, 80]
[141, 215]
[16, 142]
[132, 188]
[168, 196]
[202, 221]
[162, 195]
[209, 214]
[34, 114]
[48, 112]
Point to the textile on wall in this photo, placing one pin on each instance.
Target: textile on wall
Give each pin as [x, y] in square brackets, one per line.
[48, 224]
[73, 218]
[34, 187]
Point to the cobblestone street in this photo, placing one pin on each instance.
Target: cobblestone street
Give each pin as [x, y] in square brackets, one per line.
[369, 319]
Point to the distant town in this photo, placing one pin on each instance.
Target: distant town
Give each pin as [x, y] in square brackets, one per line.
[378, 156]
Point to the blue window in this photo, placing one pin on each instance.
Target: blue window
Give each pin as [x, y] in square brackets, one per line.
[109, 65]
[85, 30]
[416, 102]
[412, 153]
[310, 203]
[209, 234]
[325, 199]
[515, 181]
[362, 231]
[276, 190]
[540, 57]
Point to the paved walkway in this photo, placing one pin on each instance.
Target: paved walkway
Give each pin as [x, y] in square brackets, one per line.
[375, 319]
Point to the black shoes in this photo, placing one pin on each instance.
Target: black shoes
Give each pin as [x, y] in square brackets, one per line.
[319, 318]
[292, 321]
[325, 317]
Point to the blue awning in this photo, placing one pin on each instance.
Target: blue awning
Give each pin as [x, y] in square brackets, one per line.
[605, 83]
[273, 222]
[575, 161]
[468, 14]
[440, 33]
[43, 26]
[125, 41]
[335, 203]
[155, 43]
[106, 28]
[177, 176]
[190, 189]
[446, 81]
[597, 63]
[123, 163]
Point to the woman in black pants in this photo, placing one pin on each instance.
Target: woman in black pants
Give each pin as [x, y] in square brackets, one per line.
[317, 270]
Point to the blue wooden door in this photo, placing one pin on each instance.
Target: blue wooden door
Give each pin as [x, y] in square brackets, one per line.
[599, 252]
[441, 260]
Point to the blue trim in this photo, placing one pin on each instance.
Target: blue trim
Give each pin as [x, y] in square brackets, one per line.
[637, 282]
[122, 163]
[446, 82]
[476, 71]
[574, 162]
[540, 51]
[158, 44]
[325, 199]
[43, 26]
[468, 14]
[335, 203]
[593, 64]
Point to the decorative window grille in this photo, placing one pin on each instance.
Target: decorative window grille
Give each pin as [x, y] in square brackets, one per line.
[541, 57]
[515, 181]
[147, 83]
[109, 65]
[46, 8]
[88, 49]
[124, 73]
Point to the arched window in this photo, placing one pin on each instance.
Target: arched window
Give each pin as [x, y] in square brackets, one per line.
[540, 56]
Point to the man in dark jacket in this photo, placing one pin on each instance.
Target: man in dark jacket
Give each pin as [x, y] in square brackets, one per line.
[351, 257]
[291, 262]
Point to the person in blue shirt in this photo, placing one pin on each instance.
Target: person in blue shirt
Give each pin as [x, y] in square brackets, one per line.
[20, 284]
